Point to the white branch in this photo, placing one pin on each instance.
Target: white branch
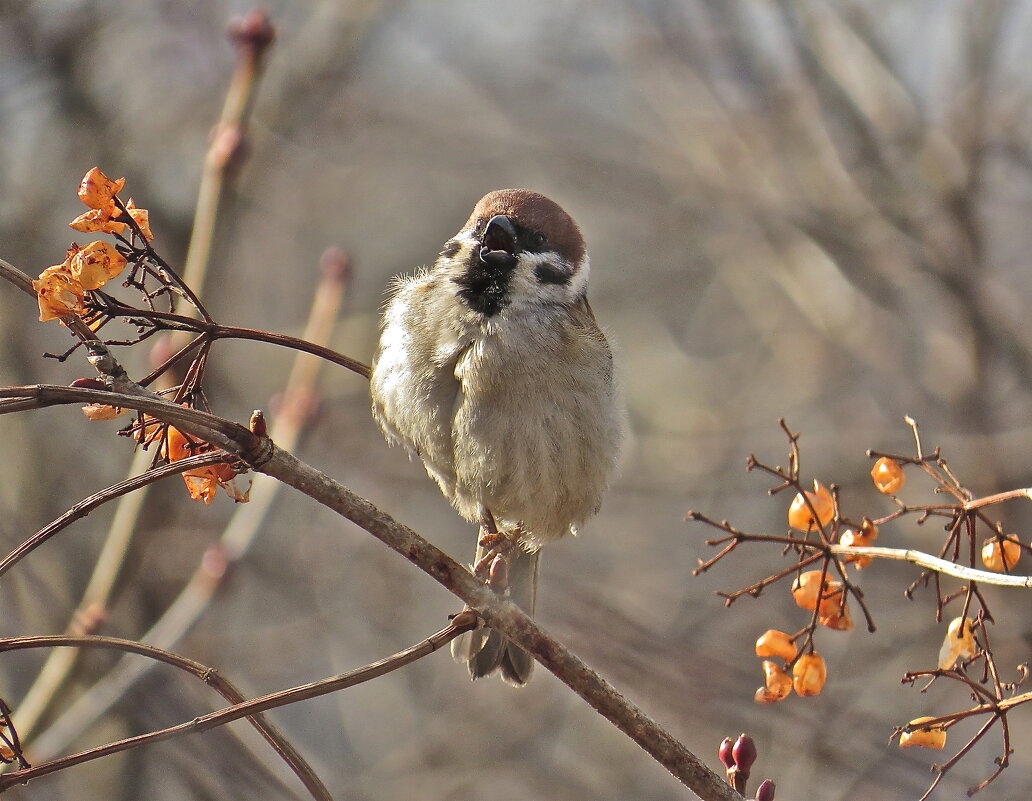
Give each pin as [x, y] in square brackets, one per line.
[933, 563]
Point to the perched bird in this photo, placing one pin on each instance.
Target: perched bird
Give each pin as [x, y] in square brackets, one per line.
[492, 369]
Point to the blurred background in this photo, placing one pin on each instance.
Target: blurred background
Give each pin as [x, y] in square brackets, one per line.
[805, 209]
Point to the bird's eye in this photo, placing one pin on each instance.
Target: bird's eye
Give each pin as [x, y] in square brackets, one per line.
[537, 241]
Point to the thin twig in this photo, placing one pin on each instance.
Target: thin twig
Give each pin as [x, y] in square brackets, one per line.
[208, 675]
[249, 708]
[87, 505]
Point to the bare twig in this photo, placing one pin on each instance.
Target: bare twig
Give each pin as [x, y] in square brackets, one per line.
[249, 708]
[209, 676]
[87, 505]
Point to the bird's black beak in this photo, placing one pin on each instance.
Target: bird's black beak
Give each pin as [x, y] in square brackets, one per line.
[498, 245]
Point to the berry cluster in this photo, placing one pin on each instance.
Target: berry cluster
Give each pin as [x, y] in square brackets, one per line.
[822, 542]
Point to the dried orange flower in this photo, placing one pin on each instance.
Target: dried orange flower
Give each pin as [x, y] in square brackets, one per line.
[777, 684]
[1000, 556]
[147, 431]
[96, 264]
[958, 644]
[809, 674]
[97, 190]
[98, 221]
[888, 476]
[799, 515]
[776, 643]
[925, 737]
[59, 293]
[142, 218]
[202, 482]
[101, 411]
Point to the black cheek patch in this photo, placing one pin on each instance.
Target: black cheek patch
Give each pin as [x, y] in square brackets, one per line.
[451, 248]
[550, 274]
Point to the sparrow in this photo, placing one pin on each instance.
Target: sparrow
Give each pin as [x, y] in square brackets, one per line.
[492, 370]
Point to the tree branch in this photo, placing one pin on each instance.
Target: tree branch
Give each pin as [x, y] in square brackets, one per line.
[498, 612]
[934, 563]
[208, 675]
[245, 708]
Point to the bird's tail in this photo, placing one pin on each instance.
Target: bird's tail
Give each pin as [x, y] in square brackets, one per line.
[485, 650]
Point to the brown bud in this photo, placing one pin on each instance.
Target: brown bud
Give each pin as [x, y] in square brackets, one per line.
[466, 619]
[88, 383]
[253, 30]
[257, 424]
[498, 577]
[744, 754]
[724, 752]
[765, 792]
[335, 264]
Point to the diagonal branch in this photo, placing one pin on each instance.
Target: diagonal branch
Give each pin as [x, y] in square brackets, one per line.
[498, 612]
[503, 615]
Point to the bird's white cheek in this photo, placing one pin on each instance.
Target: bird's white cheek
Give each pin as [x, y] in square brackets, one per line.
[527, 287]
[579, 280]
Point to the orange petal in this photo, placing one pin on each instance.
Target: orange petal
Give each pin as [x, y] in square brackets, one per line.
[97, 190]
[98, 221]
[101, 411]
[928, 737]
[59, 292]
[96, 264]
[142, 219]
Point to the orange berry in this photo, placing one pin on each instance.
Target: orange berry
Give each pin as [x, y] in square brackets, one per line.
[100, 411]
[1000, 556]
[776, 643]
[179, 446]
[887, 475]
[832, 612]
[839, 619]
[806, 589]
[777, 684]
[98, 221]
[799, 515]
[959, 643]
[831, 598]
[925, 737]
[202, 482]
[851, 537]
[809, 674]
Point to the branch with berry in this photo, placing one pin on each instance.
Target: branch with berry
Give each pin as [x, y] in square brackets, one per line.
[821, 543]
